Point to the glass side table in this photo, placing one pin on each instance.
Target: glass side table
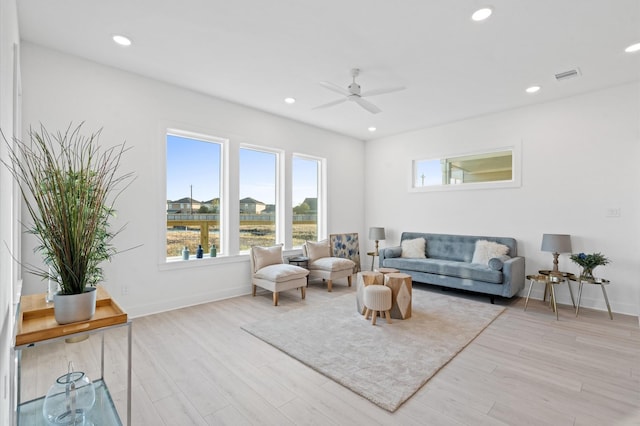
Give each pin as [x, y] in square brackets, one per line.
[566, 277]
[36, 326]
[549, 281]
[593, 281]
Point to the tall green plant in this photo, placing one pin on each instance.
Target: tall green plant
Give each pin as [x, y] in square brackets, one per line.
[69, 186]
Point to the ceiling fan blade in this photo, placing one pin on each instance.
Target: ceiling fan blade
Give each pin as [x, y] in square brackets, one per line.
[335, 88]
[366, 105]
[330, 104]
[376, 92]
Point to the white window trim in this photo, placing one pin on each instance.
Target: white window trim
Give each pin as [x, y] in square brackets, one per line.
[322, 193]
[280, 197]
[515, 182]
[165, 262]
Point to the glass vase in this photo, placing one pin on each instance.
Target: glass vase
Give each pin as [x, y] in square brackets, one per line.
[70, 399]
[587, 273]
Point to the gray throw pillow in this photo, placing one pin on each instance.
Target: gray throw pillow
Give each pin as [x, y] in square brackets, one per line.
[497, 263]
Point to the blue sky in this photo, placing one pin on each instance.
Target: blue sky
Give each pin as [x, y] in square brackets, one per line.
[194, 163]
[432, 171]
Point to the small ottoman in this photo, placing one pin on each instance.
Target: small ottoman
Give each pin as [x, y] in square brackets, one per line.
[363, 279]
[377, 298]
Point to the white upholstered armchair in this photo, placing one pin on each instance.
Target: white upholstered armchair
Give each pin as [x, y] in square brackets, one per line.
[270, 272]
[323, 265]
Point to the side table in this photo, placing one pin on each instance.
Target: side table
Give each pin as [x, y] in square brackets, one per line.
[301, 261]
[401, 294]
[549, 281]
[566, 277]
[36, 326]
[373, 258]
[595, 281]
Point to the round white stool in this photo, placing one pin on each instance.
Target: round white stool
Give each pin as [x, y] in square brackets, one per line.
[377, 298]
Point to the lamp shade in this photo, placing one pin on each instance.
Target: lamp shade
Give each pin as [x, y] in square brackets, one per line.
[376, 233]
[556, 243]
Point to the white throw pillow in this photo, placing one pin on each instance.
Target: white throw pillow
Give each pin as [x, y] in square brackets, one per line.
[413, 248]
[486, 250]
[318, 250]
[265, 256]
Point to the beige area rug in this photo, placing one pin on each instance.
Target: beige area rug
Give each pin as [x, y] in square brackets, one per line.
[386, 363]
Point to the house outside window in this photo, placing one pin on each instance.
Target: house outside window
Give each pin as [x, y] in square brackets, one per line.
[193, 173]
[258, 173]
[305, 174]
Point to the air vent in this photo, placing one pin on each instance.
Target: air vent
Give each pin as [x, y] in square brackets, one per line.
[568, 74]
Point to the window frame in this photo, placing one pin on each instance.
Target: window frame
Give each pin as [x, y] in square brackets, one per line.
[279, 190]
[223, 143]
[321, 208]
[514, 182]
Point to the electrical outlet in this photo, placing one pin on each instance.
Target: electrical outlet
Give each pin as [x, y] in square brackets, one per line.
[124, 290]
[613, 212]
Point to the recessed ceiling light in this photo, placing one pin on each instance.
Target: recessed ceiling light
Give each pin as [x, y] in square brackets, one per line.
[482, 14]
[372, 129]
[532, 89]
[633, 48]
[122, 40]
[290, 100]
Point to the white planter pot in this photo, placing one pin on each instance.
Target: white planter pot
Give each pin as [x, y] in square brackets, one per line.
[70, 308]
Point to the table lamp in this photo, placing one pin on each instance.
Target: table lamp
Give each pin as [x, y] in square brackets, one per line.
[556, 244]
[376, 234]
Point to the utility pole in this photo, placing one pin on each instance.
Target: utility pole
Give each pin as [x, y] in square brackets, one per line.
[191, 198]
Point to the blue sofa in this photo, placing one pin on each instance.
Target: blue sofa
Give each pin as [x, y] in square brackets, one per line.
[448, 264]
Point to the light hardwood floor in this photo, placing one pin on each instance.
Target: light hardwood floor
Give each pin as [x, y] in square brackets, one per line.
[196, 366]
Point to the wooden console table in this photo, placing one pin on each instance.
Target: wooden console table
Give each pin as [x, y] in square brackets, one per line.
[36, 325]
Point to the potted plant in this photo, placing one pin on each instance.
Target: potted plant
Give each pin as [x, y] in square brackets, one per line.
[588, 262]
[69, 184]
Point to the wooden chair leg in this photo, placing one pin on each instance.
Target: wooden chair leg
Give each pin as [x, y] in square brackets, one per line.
[388, 316]
[329, 285]
[275, 298]
[254, 290]
[375, 315]
[349, 280]
[366, 312]
[302, 290]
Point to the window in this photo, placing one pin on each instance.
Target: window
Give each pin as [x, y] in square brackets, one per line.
[305, 173]
[478, 170]
[258, 197]
[193, 192]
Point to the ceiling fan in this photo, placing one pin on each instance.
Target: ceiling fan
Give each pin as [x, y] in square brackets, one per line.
[353, 93]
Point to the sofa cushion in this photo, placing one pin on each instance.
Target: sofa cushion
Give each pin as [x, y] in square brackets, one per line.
[449, 268]
[281, 272]
[331, 264]
[497, 263]
[265, 256]
[317, 250]
[486, 250]
[414, 248]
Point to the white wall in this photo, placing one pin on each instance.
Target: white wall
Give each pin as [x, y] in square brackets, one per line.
[59, 89]
[580, 157]
[9, 75]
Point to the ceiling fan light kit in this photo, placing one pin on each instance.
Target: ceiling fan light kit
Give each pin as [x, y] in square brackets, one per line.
[353, 93]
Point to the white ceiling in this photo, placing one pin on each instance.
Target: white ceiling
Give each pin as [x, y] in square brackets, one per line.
[257, 52]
